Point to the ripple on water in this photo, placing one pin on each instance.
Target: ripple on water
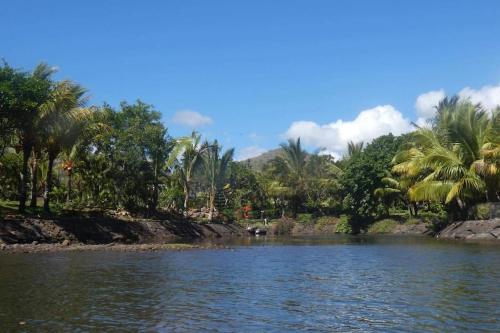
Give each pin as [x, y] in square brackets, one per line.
[302, 285]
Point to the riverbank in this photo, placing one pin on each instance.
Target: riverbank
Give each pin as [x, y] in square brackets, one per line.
[67, 247]
[100, 229]
[408, 227]
[96, 232]
[472, 230]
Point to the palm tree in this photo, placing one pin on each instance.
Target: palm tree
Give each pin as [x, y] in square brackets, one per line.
[28, 129]
[66, 120]
[215, 168]
[190, 160]
[69, 120]
[185, 158]
[395, 188]
[291, 169]
[451, 160]
[354, 148]
[322, 181]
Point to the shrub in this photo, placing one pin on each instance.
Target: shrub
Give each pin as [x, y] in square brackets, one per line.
[482, 211]
[343, 227]
[413, 221]
[228, 215]
[283, 226]
[304, 218]
[382, 227]
[325, 222]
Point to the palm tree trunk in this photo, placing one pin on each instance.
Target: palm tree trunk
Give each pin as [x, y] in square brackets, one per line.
[34, 178]
[24, 177]
[415, 209]
[186, 199]
[211, 206]
[69, 184]
[48, 186]
[155, 191]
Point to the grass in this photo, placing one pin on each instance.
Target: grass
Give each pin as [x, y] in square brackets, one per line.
[325, 222]
[11, 206]
[343, 227]
[382, 227]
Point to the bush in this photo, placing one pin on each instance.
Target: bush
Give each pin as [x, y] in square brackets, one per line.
[382, 227]
[326, 222]
[344, 225]
[283, 226]
[482, 211]
[228, 215]
[304, 218]
[437, 220]
[413, 221]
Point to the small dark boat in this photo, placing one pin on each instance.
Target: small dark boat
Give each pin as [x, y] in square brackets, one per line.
[260, 231]
[256, 231]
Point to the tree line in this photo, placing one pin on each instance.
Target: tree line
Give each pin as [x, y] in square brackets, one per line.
[56, 147]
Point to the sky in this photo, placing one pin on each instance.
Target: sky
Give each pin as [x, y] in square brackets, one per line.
[254, 73]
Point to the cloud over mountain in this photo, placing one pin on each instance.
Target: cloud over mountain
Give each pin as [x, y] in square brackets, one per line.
[368, 124]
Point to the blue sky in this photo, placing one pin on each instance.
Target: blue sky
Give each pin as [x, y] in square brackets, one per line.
[257, 72]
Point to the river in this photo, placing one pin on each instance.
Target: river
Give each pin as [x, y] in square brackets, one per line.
[346, 284]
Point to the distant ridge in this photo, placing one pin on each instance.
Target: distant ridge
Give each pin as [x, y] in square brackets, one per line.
[257, 163]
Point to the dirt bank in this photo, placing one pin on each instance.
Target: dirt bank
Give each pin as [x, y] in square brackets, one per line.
[105, 230]
[468, 230]
[57, 247]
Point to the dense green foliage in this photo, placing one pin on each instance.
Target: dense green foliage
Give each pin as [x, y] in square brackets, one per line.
[55, 147]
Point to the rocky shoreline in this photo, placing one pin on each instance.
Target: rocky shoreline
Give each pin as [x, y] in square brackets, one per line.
[105, 233]
[48, 248]
[472, 230]
[101, 232]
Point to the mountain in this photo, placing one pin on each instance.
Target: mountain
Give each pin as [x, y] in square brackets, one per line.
[257, 163]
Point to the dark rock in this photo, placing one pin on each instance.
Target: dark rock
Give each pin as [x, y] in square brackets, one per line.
[478, 229]
[66, 242]
[99, 229]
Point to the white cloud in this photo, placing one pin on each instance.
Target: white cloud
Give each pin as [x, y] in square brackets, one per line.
[488, 96]
[249, 152]
[427, 102]
[368, 125]
[191, 119]
[255, 137]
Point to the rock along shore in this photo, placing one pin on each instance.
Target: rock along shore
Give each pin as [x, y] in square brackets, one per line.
[472, 230]
[73, 233]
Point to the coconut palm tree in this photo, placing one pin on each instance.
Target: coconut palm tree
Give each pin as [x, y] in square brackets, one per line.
[354, 148]
[291, 170]
[28, 127]
[395, 188]
[185, 158]
[215, 169]
[69, 119]
[190, 161]
[451, 160]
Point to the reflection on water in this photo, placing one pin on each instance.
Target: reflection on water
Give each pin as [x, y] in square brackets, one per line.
[343, 284]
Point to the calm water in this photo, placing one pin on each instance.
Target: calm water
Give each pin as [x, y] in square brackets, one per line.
[319, 285]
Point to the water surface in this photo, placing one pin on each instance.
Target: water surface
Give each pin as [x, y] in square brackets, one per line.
[367, 284]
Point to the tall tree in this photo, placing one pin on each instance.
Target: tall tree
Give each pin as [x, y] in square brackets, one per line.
[21, 96]
[362, 175]
[65, 121]
[215, 168]
[291, 171]
[190, 160]
[451, 158]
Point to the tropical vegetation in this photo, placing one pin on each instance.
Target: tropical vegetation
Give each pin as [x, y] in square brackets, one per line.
[60, 153]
